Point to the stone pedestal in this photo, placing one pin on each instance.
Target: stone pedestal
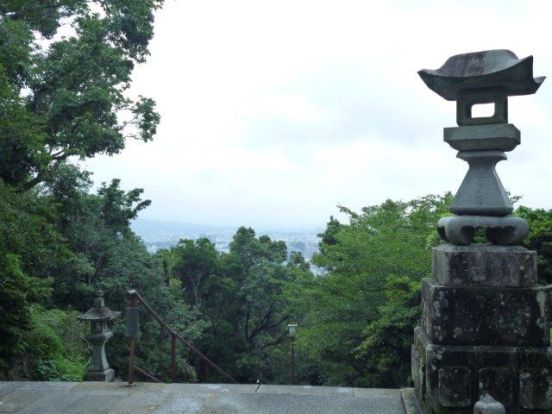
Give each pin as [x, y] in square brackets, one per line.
[485, 329]
[99, 369]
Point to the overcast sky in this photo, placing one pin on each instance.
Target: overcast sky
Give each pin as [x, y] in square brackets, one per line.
[274, 112]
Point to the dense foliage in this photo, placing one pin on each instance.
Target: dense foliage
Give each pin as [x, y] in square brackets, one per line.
[242, 296]
[540, 239]
[64, 68]
[357, 319]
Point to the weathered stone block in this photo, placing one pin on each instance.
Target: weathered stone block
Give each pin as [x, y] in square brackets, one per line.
[451, 379]
[492, 265]
[497, 381]
[454, 387]
[485, 315]
[535, 388]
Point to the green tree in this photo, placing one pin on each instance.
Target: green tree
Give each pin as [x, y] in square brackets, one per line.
[66, 92]
[107, 254]
[241, 295]
[539, 239]
[368, 298]
[197, 267]
[257, 267]
[29, 249]
[65, 68]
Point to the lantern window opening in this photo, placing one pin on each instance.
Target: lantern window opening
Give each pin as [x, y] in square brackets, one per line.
[482, 110]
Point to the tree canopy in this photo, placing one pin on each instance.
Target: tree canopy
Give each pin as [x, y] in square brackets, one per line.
[357, 319]
[241, 294]
[65, 71]
[65, 67]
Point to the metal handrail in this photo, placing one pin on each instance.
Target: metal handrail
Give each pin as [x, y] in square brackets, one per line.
[134, 301]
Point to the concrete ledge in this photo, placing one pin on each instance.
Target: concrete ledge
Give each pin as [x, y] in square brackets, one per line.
[410, 402]
[142, 398]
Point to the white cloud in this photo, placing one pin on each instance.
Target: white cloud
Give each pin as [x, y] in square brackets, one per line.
[275, 112]
[288, 107]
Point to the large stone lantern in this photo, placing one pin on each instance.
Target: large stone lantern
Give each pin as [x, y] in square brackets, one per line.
[485, 325]
[99, 316]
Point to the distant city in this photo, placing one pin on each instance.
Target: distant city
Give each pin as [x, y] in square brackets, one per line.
[158, 234]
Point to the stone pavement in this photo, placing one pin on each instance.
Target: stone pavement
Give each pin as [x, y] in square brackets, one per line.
[118, 398]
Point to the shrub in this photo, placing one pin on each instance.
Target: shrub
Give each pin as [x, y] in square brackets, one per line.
[57, 346]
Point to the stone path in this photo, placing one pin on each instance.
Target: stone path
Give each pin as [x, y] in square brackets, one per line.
[118, 398]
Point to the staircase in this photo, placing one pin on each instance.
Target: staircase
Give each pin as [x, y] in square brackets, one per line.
[165, 333]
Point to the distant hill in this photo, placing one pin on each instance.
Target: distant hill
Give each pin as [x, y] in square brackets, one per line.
[160, 230]
[159, 234]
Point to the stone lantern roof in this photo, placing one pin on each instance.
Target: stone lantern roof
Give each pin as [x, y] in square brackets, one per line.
[99, 312]
[500, 69]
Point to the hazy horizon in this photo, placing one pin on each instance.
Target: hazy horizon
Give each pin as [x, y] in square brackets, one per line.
[140, 220]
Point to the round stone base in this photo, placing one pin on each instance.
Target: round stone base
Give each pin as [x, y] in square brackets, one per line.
[505, 231]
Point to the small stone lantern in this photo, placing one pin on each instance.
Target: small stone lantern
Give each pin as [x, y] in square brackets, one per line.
[99, 316]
